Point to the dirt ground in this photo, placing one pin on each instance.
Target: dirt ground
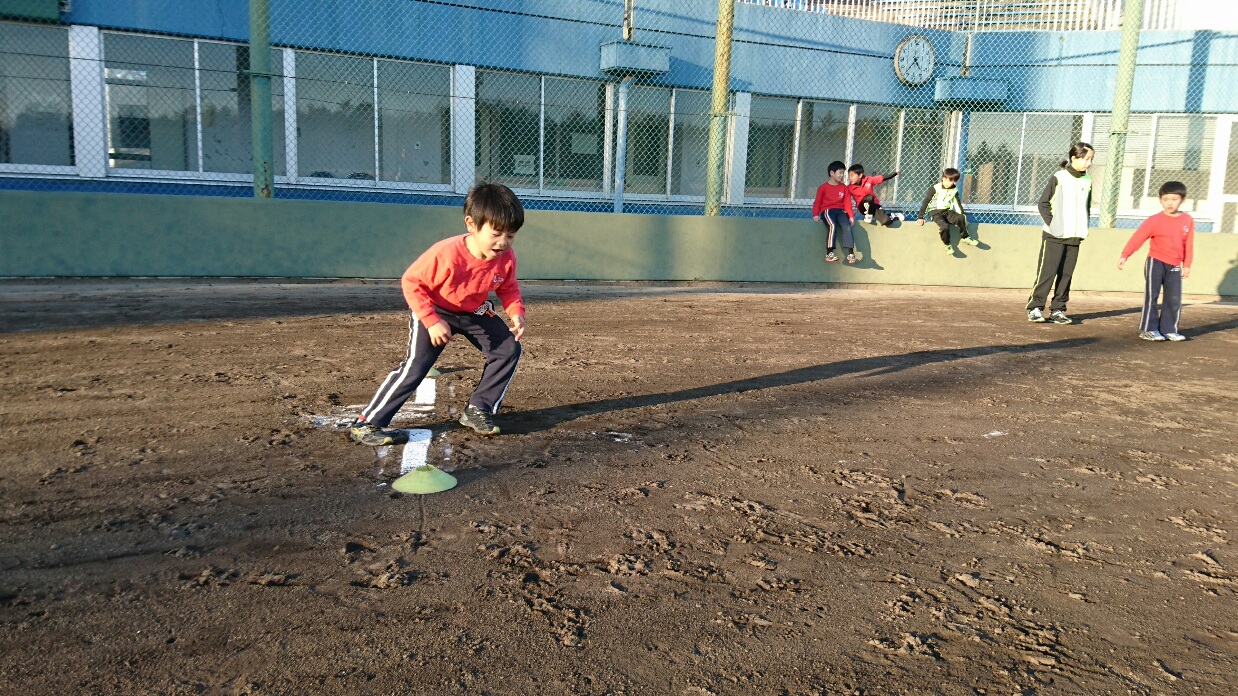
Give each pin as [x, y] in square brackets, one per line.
[699, 490]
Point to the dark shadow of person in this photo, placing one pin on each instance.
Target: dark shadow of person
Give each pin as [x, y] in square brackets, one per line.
[864, 247]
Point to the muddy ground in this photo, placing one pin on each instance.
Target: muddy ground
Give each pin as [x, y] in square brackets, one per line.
[700, 490]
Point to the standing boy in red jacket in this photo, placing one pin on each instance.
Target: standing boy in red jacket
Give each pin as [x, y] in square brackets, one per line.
[1169, 261]
[446, 290]
[833, 207]
[866, 198]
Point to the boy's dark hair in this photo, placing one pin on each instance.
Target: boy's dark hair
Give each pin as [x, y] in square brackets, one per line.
[951, 173]
[856, 169]
[495, 204]
[1173, 187]
[835, 166]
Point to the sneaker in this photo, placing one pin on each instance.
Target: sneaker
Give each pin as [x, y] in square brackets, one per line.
[1058, 316]
[950, 250]
[1035, 315]
[969, 240]
[850, 258]
[374, 436]
[831, 257]
[868, 218]
[1174, 337]
[1152, 336]
[898, 216]
[478, 420]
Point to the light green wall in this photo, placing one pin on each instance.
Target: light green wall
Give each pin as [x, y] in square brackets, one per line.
[86, 234]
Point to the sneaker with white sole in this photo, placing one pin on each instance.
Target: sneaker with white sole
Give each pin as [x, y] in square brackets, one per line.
[831, 257]
[1151, 336]
[1174, 337]
[1036, 316]
[868, 218]
[1058, 316]
[374, 436]
[898, 216]
[970, 241]
[950, 250]
[478, 420]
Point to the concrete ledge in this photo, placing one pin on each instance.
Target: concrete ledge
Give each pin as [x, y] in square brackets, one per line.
[124, 235]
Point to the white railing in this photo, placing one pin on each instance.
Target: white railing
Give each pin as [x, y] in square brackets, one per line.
[1023, 15]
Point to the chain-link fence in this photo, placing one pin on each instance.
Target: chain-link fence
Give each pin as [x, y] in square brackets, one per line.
[415, 100]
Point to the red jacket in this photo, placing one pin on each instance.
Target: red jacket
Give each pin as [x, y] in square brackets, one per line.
[450, 277]
[866, 186]
[831, 196]
[1173, 239]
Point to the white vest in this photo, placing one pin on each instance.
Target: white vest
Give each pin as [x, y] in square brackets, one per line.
[1070, 206]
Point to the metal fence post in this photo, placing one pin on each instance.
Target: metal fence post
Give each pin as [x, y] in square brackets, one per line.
[717, 115]
[260, 96]
[1132, 20]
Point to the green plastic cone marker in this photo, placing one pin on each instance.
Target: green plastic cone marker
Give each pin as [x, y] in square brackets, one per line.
[424, 480]
[433, 372]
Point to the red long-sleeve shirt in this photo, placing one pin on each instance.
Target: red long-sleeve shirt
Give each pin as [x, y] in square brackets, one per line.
[447, 275]
[831, 196]
[1173, 239]
[866, 186]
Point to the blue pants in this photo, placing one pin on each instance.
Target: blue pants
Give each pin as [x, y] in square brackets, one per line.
[486, 332]
[837, 224]
[1158, 275]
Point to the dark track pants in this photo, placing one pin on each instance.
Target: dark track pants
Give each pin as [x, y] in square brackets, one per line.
[485, 331]
[1158, 275]
[1057, 263]
[944, 219]
[870, 206]
[837, 225]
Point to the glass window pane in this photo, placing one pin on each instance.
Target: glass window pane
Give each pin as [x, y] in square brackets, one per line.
[1183, 152]
[508, 128]
[1134, 163]
[823, 139]
[771, 137]
[992, 148]
[690, 158]
[414, 122]
[1230, 185]
[923, 155]
[1046, 142]
[876, 142]
[227, 128]
[152, 116]
[335, 116]
[575, 131]
[649, 116]
[35, 112]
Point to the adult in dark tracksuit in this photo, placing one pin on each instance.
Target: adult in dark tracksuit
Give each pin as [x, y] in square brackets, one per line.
[1064, 207]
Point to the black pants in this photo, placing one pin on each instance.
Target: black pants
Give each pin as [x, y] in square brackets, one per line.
[837, 224]
[870, 206]
[1157, 275]
[1057, 265]
[944, 219]
[485, 331]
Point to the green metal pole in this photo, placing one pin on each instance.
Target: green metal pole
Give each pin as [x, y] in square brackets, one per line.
[260, 96]
[717, 118]
[1132, 20]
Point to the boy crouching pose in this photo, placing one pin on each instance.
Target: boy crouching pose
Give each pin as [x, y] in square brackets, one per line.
[446, 290]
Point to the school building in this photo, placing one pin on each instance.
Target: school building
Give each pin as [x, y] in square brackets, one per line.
[414, 100]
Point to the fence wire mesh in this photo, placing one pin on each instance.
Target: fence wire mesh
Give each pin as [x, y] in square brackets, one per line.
[415, 100]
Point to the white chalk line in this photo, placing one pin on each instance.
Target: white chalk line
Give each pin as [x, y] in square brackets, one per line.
[416, 451]
[421, 405]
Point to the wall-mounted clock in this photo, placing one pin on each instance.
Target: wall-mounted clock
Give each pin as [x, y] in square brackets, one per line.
[914, 60]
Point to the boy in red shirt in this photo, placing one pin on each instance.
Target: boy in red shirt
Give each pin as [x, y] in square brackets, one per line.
[861, 188]
[446, 290]
[1169, 261]
[833, 207]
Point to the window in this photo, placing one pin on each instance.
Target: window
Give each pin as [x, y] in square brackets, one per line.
[876, 142]
[823, 139]
[227, 121]
[414, 122]
[152, 111]
[575, 133]
[508, 128]
[1134, 163]
[335, 116]
[771, 139]
[1047, 139]
[1182, 152]
[649, 115]
[992, 148]
[923, 153]
[35, 112]
[690, 151]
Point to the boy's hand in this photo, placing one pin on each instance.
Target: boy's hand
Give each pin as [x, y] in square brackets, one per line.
[1186, 271]
[1121, 263]
[518, 326]
[440, 333]
[816, 218]
[921, 222]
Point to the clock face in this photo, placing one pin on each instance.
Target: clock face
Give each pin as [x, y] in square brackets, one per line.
[914, 60]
